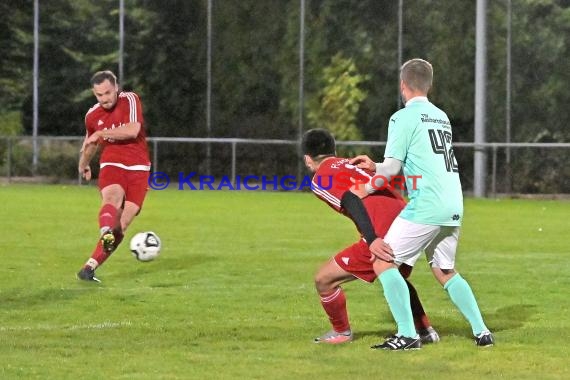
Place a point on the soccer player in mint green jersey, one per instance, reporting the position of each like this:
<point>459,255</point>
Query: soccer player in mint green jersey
<point>420,143</point>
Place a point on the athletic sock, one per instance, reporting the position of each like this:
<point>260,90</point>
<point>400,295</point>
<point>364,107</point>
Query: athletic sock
<point>91,264</point>
<point>421,320</point>
<point>334,304</point>
<point>462,296</point>
<point>398,298</point>
<point>98,257</point>
<point>107,216</point>
<point>107,219</point>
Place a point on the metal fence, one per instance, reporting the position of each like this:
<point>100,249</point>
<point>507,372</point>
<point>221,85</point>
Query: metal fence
<point>515,168</point>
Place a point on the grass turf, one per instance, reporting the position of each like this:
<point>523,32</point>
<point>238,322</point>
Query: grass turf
<point>231,296</point>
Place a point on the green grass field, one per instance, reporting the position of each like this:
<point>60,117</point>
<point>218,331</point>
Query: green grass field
<point>231,296</point>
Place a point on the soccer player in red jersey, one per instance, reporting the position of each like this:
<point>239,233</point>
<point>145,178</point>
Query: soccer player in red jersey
<point>340,185</point>
<point>115,125</point>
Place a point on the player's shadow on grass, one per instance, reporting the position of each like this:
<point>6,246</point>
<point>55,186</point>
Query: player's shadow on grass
<point>180,267</point>
<point>509,317</point>
<point>25,299</point>
<point>379,335</point>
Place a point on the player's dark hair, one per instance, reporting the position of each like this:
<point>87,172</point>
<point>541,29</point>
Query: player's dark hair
<point>318,142</point>
<point>101,76</point>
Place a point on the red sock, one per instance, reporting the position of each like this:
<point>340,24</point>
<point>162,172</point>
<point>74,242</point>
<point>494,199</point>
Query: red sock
<point>334,304</point>
<point>421,320</point>
<point>98,257</point>
<point>107,216</point>
<point>107,219</point>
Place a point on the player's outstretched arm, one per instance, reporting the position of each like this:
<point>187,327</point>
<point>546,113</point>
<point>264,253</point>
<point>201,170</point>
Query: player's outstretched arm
<point>384,173</point>
<point>363,162</point>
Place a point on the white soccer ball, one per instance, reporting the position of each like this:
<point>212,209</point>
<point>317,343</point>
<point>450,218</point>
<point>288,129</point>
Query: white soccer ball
<point>145,246</point>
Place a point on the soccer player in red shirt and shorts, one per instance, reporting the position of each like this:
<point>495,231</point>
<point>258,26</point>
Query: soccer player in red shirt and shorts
<point>115,125</point>
<point>373,214</point>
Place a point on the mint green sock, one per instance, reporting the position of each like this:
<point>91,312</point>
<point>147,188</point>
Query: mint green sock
<point>398,297</point>
<point>462,296</point>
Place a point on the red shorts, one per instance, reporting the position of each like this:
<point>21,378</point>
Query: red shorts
<point>356,261</point>
<point>133,182</point>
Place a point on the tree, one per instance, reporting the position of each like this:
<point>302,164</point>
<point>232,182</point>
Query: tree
<point>337,105</point>
<point>16,43</point>
<point>76,38</point>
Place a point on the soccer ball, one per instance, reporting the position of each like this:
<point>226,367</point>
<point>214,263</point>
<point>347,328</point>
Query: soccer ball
<point>145,246</point>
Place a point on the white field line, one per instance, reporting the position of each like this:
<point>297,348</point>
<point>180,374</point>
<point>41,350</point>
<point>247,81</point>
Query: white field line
<point>48,327</point>
<point>224,287</point>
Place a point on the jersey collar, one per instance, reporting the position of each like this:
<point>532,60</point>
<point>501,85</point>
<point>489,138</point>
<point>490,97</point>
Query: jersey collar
<point>417,99</point>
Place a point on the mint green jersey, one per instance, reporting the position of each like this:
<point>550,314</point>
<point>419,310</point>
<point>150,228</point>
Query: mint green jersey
<point>419,135</point>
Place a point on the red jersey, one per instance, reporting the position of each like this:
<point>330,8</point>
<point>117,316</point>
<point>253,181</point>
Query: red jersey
<point>332,180</point>
<point>127,154</point>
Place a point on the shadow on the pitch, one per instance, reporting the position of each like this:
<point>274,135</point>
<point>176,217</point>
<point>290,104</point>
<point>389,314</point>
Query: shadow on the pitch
<point>509,317</point>
<point>166,263</point>
<point>173,271</point>
<point>380,336</point>
<point>26,298</point>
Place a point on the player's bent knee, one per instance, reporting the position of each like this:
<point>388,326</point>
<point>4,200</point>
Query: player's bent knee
<point>443,275</point>
<point>321,284</point>
<point>324,283</point>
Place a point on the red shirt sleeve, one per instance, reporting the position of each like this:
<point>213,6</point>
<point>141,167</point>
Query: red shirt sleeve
<point>133,107</point>
<point>334,178</point>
